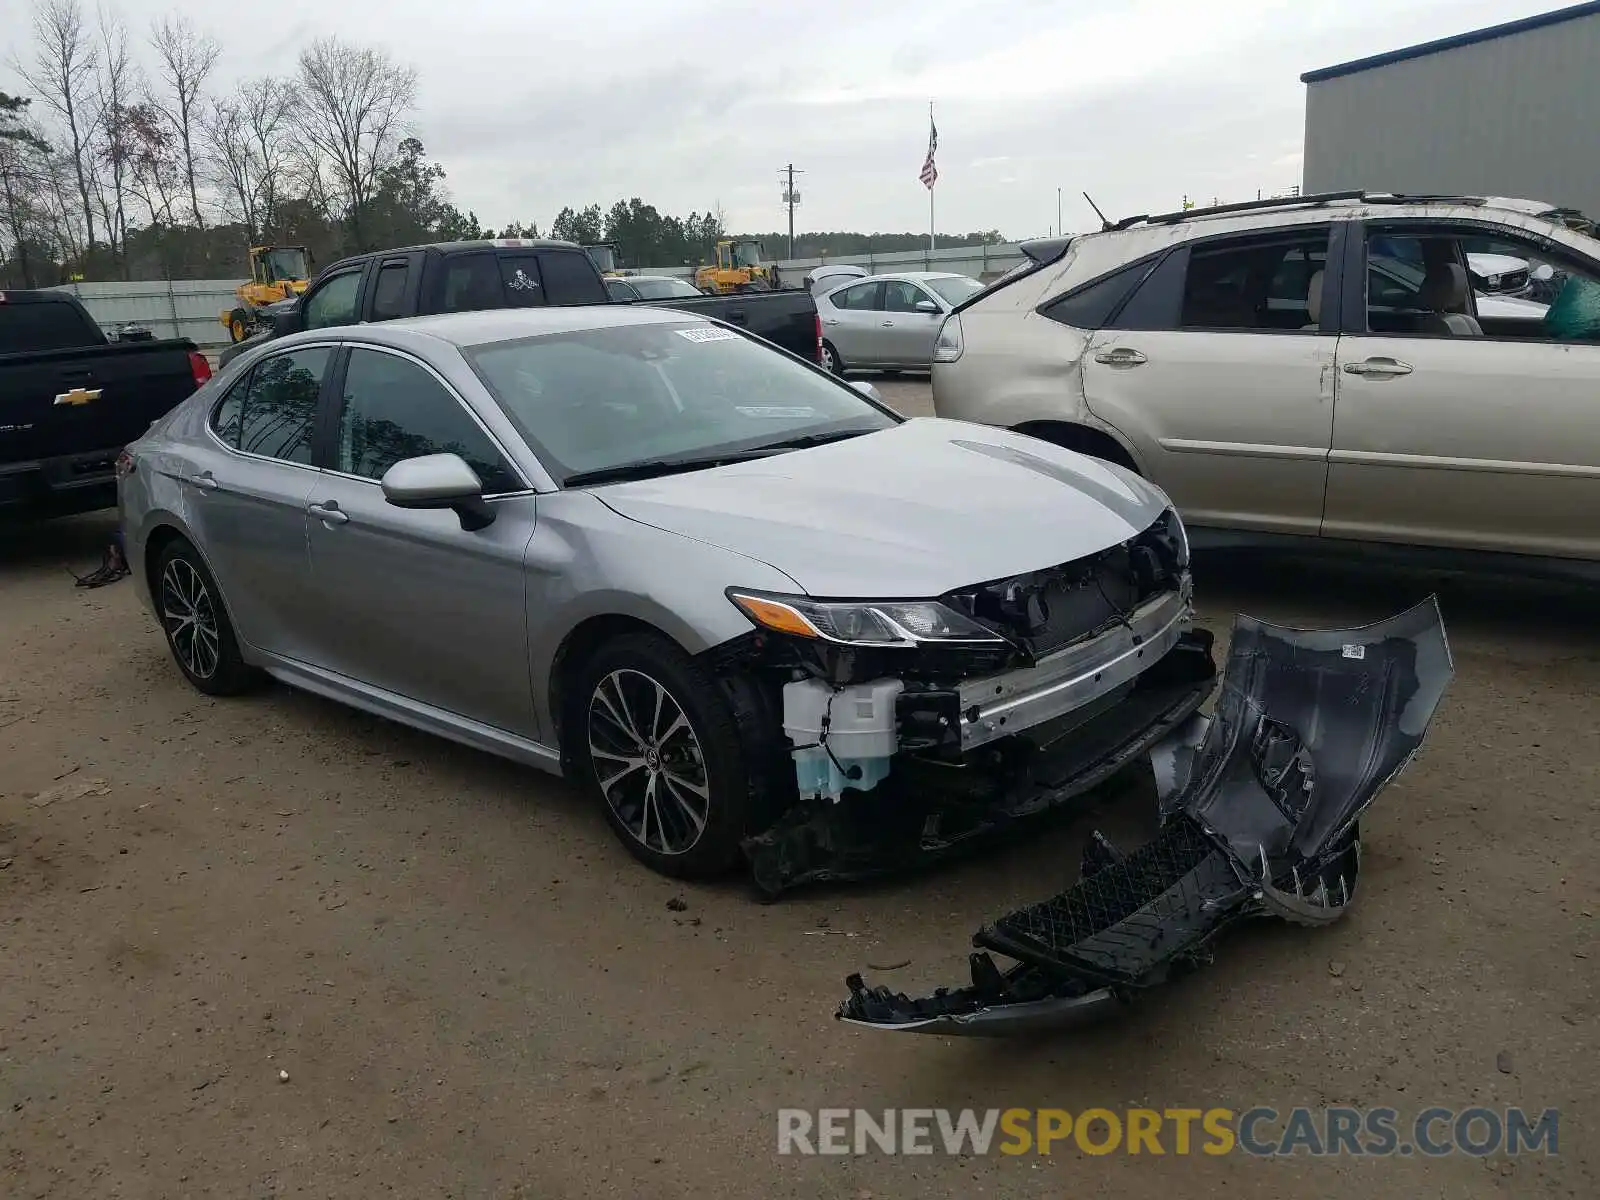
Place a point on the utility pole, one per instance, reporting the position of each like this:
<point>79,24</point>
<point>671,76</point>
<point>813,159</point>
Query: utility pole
<point>1059,225</point>
<point>791,197</point>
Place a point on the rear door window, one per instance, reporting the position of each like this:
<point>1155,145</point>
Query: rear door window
<point>864,296</point>
<point>1256,283</point>
<point>278,408</point>
<point>570,278</point>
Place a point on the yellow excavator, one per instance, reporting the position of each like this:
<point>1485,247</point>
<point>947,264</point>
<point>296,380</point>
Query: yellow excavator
<point>276,273</point>
<point>738,269</point>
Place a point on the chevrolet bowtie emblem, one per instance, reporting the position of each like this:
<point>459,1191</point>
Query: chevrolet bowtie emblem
<point>78,396</point>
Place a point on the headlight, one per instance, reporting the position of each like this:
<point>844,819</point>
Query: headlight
<point>1175,523</point>
<point>860,622</point>
<point>1494,281</point>
<point>948,346</point>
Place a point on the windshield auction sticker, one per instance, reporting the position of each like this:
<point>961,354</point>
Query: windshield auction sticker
<point>700,333</point>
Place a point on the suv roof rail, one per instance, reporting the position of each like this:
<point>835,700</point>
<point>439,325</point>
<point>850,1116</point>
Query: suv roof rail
<point>1310,199</point>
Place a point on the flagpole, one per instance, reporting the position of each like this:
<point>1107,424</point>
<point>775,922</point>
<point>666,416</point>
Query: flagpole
<point>930,198</point>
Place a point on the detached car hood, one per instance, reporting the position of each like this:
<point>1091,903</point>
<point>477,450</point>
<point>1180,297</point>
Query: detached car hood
<point>913,511</point>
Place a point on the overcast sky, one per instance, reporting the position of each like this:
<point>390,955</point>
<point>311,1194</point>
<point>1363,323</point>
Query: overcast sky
<point>689,104</point>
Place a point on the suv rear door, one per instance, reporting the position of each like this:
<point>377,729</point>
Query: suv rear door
<point>1484,438</point>
<point>1219,368</point>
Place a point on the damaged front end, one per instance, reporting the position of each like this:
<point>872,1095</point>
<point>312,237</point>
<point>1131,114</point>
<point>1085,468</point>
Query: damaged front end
<point>919,728</point>
<point>1259,807</point>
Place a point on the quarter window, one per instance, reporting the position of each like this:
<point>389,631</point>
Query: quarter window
<point>1091,306</point>
<point>334,303</point>
<point>394,409</point>
<point>278,407</point>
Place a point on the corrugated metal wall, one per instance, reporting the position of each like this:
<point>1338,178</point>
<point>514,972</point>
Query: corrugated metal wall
<point>186,308</point>
<point>1515,116</point>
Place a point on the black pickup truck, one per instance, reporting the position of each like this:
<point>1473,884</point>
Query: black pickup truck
<point>70,400</point>
<point>510,273</point>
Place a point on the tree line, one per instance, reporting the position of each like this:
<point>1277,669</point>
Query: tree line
<point>121,159</point>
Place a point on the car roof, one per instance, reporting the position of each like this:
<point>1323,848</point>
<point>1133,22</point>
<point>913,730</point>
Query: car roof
<point>498,325</point>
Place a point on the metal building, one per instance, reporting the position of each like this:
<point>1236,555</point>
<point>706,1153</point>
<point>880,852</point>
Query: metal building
<point>1505,111</point>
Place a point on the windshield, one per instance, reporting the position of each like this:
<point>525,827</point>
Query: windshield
<point>955,288</point>
<point>663,289</point>
<point>747,254</point>
<point>600,398</point>
<point>288,263</point>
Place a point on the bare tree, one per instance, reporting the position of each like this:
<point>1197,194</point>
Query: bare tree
<point>232,159</point>
<point>268,108</point>
<point>115,83</point>
<point>185,59</point>
<point>62,73</point>
<point>156,174</point>
<point>352,108</point>
<point>23,161</point>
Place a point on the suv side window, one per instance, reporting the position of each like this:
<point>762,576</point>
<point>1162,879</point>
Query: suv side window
<point>861,297</point>
<point>471,282</point>
<point>1256,283</point>
<point>335,300</point>
<point>569,278</point>
<point>278,405</point>
<point>393,409</point>
<point>389,293</point>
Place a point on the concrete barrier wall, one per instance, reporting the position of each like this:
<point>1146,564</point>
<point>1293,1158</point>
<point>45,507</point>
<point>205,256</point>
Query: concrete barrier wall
<point>183,308</point>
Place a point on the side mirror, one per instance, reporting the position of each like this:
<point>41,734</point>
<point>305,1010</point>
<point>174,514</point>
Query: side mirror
<point>866,389</point>
<point>438,481</point>
<point>927,306</point>
<point>1544,273</point>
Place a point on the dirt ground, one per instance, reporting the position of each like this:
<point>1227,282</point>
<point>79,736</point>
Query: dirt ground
<point>475,992</point>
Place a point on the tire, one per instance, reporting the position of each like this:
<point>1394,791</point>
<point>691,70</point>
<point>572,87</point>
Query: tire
<point>831,360</point>
<point>237,330</point>
<point>691,836</point>
<point>196,623</point>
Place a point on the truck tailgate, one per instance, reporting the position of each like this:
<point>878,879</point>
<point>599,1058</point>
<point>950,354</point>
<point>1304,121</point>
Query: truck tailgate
<point>56,403</point>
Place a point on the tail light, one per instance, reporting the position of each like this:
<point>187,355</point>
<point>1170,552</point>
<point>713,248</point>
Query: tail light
<point>125,464</point>
<point>199,367</point>
<point>817,351</point>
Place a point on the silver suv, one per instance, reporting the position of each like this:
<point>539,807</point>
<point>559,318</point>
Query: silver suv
<point>1318,367</point>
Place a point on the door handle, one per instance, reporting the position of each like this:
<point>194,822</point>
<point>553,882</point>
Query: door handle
<point>888,324</point>
<point>830,320</point>
<point>205,481</point>
<point>1120,356</point>
<point>328,513</point>
<point>1381,368</point>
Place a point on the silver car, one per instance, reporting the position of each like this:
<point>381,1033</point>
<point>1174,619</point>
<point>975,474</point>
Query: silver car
<point>889,322</point>
<point>734,597</point>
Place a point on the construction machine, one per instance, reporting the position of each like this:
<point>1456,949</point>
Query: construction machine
<point>276,273</point>
<point>738,269</point>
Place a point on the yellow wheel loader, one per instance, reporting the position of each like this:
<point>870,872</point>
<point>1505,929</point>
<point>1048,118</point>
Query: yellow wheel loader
<point>738,269</point>
<point>276,273</point>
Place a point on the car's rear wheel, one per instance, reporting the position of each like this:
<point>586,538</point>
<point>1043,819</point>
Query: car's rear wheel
<point>196,623</point>
<point>655,740</point>
<point>831,360</point>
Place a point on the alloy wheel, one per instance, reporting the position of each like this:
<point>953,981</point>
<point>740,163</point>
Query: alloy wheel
<point>190,617</point>
<point>648,762</point>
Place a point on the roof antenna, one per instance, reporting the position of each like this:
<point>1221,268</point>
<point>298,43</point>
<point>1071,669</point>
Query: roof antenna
<point>1105,225</point>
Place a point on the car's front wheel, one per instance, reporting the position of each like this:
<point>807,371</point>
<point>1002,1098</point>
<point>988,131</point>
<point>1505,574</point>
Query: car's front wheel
<point>196,623</point>
<point>655,739</point>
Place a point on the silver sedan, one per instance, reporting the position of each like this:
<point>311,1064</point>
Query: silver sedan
<point>704,578</point>
<point>889,322</point>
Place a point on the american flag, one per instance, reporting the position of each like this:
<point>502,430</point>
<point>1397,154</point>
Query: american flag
<point>930,173</point>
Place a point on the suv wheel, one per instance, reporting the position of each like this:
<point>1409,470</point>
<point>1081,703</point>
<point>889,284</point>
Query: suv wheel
<point>655,740</point>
